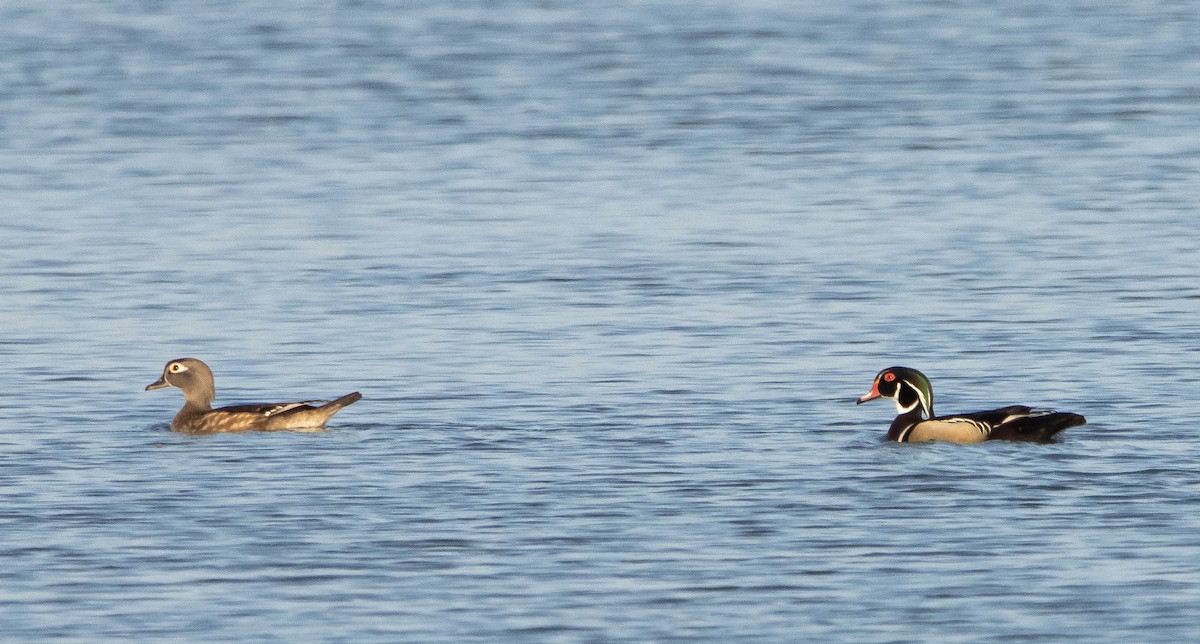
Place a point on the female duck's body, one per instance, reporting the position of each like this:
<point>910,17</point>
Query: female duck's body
<point>198,416</point>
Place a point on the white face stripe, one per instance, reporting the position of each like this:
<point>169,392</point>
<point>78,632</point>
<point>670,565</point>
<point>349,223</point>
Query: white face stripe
<point>921,400</point>
<point>901,409</point>
<point>926,403</point>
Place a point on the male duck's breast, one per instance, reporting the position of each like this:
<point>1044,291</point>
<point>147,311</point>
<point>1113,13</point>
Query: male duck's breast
<point>951,431</point>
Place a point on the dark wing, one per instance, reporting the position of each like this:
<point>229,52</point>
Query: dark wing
<point>1020,423</point>
<point>997,417</point>
<point>273,409</point>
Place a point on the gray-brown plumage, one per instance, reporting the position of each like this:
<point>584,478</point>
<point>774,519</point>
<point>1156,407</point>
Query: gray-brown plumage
<point>198,417</point>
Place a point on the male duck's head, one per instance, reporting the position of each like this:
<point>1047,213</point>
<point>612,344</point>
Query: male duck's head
<point>909,388</point>
<point>192,376</point>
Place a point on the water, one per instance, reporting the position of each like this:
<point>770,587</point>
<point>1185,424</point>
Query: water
<point>609,279</point>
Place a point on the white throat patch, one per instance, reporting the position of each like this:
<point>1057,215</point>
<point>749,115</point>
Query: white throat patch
<point>920,401</point>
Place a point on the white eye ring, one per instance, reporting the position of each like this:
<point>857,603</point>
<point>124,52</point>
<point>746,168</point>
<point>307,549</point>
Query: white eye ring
<point>176,367</point>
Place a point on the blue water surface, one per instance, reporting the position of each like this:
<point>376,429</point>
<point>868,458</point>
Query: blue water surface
<point>610,277</point>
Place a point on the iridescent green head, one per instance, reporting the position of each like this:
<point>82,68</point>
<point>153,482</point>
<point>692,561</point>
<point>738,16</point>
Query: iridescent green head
<point>909,388</point>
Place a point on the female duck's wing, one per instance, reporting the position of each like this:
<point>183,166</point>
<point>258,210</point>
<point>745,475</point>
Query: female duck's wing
<point>273,409</point>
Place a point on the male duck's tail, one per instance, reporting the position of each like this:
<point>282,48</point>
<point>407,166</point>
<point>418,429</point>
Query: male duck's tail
<point>1038,428</point>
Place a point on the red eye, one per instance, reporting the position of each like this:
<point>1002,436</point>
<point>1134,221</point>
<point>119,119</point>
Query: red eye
<point>889,376</point>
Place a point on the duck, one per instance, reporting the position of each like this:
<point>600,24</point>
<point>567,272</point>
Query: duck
<point>916,423</point>
<point>198,416</point>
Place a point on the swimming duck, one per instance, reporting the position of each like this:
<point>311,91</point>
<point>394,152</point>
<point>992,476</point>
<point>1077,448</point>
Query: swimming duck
<point>198,417</point>
<point>915,422</point>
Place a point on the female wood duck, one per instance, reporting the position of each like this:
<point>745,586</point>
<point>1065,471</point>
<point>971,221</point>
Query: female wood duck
<point>198,417</point>
<point>915,422</point>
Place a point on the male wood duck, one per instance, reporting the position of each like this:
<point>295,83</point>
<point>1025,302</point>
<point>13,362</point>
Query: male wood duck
<point>198,417</point>
<point>915,422</point>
